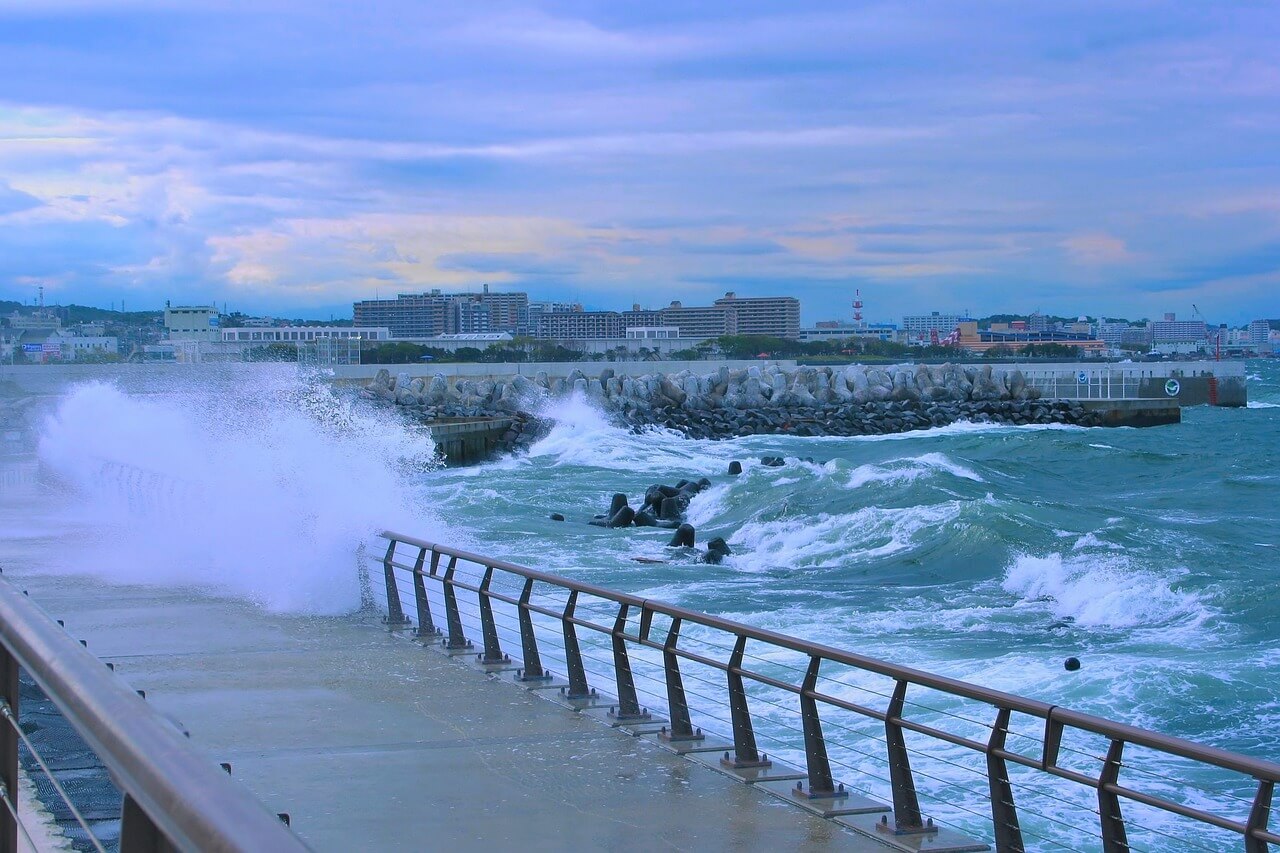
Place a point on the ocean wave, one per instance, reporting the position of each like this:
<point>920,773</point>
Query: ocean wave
<point>1258,404</point>
<point>1105,591</point>
<point>831,540</point>
<point>909,469</point>
<point>270,494</point>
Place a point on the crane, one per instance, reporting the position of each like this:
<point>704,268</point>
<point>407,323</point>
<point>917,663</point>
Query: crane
<point>1217,334</point>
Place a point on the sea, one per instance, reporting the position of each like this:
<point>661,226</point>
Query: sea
<point>985,553</point>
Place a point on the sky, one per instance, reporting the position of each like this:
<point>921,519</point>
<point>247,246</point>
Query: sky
<point>280,156</point>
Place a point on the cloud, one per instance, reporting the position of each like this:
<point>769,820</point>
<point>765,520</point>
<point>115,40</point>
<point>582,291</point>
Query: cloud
<point>15,201</point>
<point>937,156</point>
<point>1097,249</point>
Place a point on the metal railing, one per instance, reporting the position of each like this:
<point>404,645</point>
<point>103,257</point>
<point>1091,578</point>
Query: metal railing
<point>174,798</point>
<point>1087,383</point>
<point>764,674</point>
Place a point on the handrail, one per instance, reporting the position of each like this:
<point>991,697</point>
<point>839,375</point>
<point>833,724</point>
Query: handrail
<point>1255,832</point>
<point>171,791</point>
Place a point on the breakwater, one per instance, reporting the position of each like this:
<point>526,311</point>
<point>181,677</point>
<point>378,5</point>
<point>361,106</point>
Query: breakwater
<point>755,400</point>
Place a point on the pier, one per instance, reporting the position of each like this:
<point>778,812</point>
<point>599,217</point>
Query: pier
<point>426,722</point>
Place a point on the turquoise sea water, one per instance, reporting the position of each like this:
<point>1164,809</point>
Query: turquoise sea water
<point>985,553</point>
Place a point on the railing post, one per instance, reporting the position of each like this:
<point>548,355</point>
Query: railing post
<point>426,625</point>
<point>1004,815</point>
<point>1114,837</point>
<point>10,689</point>
<point>492,650</point>
<point>678,704</point>
<point>572,654</point>
<point>532,669</point>
<point>138,833</point>
<point>395,613</point>
<point>906,805</point>
<point>745,753</point>
<point>456,639</point>
<point>628,709</point>
<point>821,784</point>
<point>1259,817</point>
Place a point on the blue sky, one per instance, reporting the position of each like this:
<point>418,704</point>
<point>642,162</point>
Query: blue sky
<point>289,157</point>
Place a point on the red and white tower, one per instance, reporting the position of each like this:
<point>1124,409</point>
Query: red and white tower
<point>857,309</point>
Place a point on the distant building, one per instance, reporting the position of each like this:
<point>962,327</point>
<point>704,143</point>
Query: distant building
<point>76,347</point>
<point>1171,330</point>
<point>921,327</point>
<point>973,340</point>
<point>192,323</point>
<point>422,315</point>
<point>706,322</point>
<point>301,334</point>
<point>38,319</point>
<point>776,316</point>
<point>571,325</point>
<point>837,331</point>
<point>1259,333</point>
<point>649,333</point>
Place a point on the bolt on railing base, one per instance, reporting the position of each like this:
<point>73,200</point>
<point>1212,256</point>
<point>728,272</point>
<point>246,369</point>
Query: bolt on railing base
<point>580,701</point>
<point>457,647</point>
<point>525,678</point>
<point>810,794</point>
<point>499,664</point>
<point>671,737</point>
<point>889,826</point>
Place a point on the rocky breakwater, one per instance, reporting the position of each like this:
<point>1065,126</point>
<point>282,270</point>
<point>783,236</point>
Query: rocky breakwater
<point>758,400</point>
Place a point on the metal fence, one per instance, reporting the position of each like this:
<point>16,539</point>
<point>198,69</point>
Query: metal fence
<point>1086,383</point>
<point>174,798</point>
<point>715,690</point>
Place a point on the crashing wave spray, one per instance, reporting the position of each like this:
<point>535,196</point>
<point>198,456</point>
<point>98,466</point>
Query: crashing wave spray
<point>267,493</point>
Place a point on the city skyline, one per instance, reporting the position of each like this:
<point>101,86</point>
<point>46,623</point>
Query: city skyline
<point>991,159</point>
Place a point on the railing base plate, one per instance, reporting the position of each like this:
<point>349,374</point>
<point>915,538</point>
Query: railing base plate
<point>940,841</point>
<point>495,666</point>
<point>849,804</point>
<point>578,703</point>
<point>685,747</point>
<point>774,771</point>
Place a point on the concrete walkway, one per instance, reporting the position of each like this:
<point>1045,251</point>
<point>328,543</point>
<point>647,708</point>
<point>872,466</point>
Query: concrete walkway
<point>371,742</point>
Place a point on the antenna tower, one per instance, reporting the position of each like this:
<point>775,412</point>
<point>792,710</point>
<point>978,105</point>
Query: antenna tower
<point>857,308</point>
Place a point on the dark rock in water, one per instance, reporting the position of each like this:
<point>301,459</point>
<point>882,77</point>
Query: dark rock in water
<point>772,461</point>
<point>644,518</point>
<point>623,517</point>
<point>717,550</point>
<point>598,522</point>
<point>668,491</point>
<point>619,501</point>
<point>653,497</point>
<point>735,468</point>
<point>683,538</point>
<point>555,516</point>
<point>704,483</point>
<point>1071,664</point>
<point>673,508</point>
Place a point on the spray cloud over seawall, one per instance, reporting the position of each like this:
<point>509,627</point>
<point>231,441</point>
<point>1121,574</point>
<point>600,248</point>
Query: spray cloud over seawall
<point>268,492</point>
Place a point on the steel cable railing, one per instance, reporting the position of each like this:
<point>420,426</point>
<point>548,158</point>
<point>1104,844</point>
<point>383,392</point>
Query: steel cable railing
<point>633,628</point>
<point>173,798</point>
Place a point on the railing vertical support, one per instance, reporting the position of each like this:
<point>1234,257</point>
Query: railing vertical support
<point>1004,815</point>
<point>532,670</point>
<point>628,709</point>
<point>138,833</point>
<point>906,805</point>
<point>1114,837</point>
<point>426,625</point>
<point>488,628</point>
<point>9,688</point>
<point>1259,817</point>
<point>395,613</point>
<point>821,784</point>
<point>677,703</point>
<point>572,653</point>
<point>456,639</point>
<point>745,753</point>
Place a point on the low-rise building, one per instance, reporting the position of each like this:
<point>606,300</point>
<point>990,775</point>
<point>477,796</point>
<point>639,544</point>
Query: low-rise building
<point>192,323</point>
